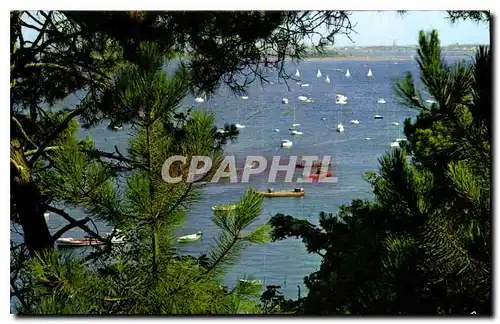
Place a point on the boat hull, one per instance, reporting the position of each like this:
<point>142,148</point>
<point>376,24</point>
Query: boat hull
<point>318,176</point>
<point>282,194</point>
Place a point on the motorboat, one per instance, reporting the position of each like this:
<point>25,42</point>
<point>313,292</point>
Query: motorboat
<point>190,237</point>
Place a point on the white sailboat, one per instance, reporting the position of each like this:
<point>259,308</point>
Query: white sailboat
<point>340,127</point>
<point>304,85</point>
<point>302,98</point>
<point>381,101</point>
<point>293,129</point>
<point>318,75</point>
<point>348,74</point>
<point>377,116</point>
<point>327,80</point>
<point>244,97</point>
<point>354,121</point>
<point>297,73</point>
<point>238,125</point>
<point>369,74</point>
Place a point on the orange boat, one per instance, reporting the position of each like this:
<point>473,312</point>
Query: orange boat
<point>321,175</point>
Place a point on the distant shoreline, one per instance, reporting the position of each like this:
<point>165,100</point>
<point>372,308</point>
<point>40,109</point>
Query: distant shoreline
<point>361,58</point>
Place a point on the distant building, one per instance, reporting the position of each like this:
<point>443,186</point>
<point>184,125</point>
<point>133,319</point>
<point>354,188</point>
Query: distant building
<point>395,43</point>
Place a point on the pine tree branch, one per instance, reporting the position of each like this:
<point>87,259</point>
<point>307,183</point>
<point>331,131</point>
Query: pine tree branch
<point>52,136</point>
<point>71,220</point>
<point>66,228</point>
<point>219,259</point>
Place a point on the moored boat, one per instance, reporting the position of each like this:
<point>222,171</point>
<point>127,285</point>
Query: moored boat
<point>297,192</point>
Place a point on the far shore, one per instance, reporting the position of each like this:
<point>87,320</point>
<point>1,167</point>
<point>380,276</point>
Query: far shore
<point>361,58</point>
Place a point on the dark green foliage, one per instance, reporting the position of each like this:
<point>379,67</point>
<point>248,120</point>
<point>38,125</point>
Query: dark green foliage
<point>423,246</point>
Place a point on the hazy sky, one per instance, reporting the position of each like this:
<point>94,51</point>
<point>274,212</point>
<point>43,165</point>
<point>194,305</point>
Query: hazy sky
<point>382,28</point>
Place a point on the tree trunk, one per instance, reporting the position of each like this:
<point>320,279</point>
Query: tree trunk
<point>26,200</point>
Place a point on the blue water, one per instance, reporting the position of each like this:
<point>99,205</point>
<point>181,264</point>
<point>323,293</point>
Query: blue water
<point>286,262</point>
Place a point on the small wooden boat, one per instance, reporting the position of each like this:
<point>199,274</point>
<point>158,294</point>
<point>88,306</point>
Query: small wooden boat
<point>190,238</point>
<point>77,242</point>
<point>223,207</point>
<point>254,282</point>
<point>298,192</point>
<point>321,175</point>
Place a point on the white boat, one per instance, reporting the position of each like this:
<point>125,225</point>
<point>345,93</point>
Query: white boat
<point>199,99</point>
<point>220,131</point>
<point>293,130</point>
<point>276,130</point>
<point>348,74</point>
<point>367,138</point>
<point>239,126</point>
<point>78,242</point>
<point>117,127</point>
<point>381,101</point>
<point>354,121</point>
<point>190,237</point>
<point>286,143</point>
<point>318,75</point>
<point>254,282</point>
<point>323,118</point>
<point>378,117</point>
<point>340,97</point>
<point>284,101</point>
<point>244,97</point>
<point>308,100</point>
<point>401,139</point>
<point>395,124</point>
<point>302,98</point>
<point>340,127</point>
<point>431,101</point>
<point>297,73</point>
<point>304,85</point>
<point>369,74</point>
<point>327,80</point>
<point>395,144</point>
<point>340,102</point>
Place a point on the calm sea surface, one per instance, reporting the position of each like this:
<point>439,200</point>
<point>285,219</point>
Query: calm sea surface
<point>286,263</point>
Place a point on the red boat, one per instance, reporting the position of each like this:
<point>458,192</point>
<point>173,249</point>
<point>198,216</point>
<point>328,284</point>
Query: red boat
<point>321,175</point>
<point>314,165</point>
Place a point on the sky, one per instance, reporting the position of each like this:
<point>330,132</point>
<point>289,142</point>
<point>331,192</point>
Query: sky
<point>383,27</point>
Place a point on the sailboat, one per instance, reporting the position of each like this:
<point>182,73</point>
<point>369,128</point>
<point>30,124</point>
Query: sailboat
<point>293,130</point>
<point>340,127</point>
<point>318,75</point>
<point>395,143</point>
<point>238,125</point>
<point>297,73</point>
<point>327,80</point>
<point>377,116</point>
<point>348,74</point>
<point>369,74</point>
